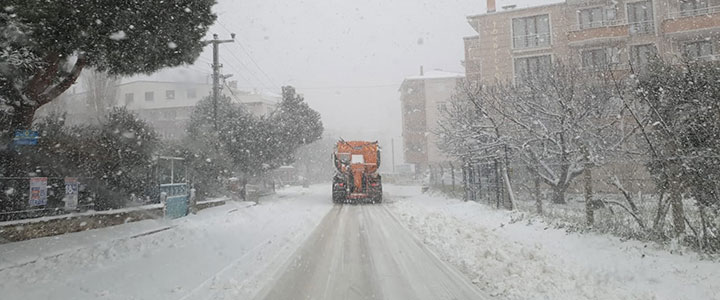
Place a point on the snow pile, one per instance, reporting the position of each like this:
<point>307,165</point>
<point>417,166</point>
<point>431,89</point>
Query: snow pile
<point>519,260</point>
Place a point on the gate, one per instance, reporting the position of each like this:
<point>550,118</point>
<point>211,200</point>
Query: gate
<point>175,196</point>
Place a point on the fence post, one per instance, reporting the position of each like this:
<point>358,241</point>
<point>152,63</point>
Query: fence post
<point>498,192</point>
<point>452,175</point>
<point>465,177</point>
<point>192,202</point>
<point>163,201</point>
<point>471,180</point>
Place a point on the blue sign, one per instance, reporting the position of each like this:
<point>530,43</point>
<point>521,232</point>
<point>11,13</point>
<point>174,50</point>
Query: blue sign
<point>26,137</point>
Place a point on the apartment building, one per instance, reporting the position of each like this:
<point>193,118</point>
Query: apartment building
<point>512,42</point>
<point>165,105</point>
<point>421,99</point>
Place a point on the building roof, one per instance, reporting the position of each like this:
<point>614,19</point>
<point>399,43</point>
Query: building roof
<point>519,6</point>
<point>436,74</point>
<point>432,75</point>
<point>161,82</point>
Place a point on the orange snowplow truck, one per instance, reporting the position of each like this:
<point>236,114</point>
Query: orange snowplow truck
<point>357,177</point>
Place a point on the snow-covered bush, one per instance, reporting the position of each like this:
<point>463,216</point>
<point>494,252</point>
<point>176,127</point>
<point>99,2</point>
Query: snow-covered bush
<point>114,159</point>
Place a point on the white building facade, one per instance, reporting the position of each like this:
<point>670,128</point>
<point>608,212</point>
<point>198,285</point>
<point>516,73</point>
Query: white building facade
<point>167,106</point>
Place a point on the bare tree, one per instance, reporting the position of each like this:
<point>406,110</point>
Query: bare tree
<point>101,92</point>
<point>563,122</point>
<point>469,130</point>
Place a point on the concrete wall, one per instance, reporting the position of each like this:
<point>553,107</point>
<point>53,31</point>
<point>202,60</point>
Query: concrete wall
<point>438,92</point>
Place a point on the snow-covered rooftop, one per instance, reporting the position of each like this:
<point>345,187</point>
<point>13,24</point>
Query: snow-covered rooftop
<point>519,5</point>
<point>436,74</point>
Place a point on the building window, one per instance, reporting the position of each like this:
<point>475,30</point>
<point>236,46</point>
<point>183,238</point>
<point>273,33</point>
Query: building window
<point>698,50</point>
<point>129,99</point>
<point>149,96</point>
<point>591,17</point>
<point>640,55</point>
<point>169,115</point>
<point>600,58</point>
<point>170,94</point>
<point>693,7</point>
<point>442,106</point>
<point>191,93</point>
<point>640,17</point>
<point>531,66</point>
<point>596,17</point>
<point>531,32</point>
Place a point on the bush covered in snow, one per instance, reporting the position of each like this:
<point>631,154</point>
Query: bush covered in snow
<point>114,159</point>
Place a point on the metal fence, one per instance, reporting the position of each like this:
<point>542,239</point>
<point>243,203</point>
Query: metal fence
<point>16,193</point>
<point>483,181</point>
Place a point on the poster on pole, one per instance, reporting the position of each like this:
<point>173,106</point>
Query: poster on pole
<point>38,191</point>
<point>71,192</point>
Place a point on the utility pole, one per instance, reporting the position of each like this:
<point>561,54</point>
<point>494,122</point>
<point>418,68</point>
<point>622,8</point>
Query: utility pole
<point>216,71</point>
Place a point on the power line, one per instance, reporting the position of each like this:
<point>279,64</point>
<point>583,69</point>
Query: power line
<point>248,69</point>
<point>270,80</point>
<point>240,74</point>
<point>232,93</point>
<point>255,63</point>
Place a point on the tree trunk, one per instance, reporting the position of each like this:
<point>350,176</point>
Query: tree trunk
<point>678,211</point>
<point>22,118</point>
<point>589,208</point>
<point>559,194</point>
<point>659,221</point>
<point>538,200</point>
<point>703,222</point>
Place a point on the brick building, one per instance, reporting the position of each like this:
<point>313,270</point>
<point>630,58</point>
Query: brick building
<point>593,33</point>
<point>421,97</point>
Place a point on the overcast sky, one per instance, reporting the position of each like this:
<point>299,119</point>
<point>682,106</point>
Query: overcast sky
<point>347,57</point>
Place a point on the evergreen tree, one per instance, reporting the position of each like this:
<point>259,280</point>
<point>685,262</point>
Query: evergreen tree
<point>46,44</point>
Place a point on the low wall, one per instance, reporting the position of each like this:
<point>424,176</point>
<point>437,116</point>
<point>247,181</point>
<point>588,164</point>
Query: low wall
<point>13,231</point>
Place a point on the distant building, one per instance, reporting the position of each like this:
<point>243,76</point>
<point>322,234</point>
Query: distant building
<point>421,98</point>
<point>165,105</point>
<point>513,42</point>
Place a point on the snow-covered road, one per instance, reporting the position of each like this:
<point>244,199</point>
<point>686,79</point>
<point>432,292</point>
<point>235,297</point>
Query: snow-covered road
<point>298,245</point>
<point>362,252</point>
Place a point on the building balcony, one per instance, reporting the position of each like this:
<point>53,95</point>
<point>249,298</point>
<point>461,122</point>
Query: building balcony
<point>593,31</point>
<point>605,30</point>
<point>678,22</point>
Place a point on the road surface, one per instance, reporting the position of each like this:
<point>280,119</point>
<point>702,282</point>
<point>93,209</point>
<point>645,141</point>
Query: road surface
<point>362,252</point>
